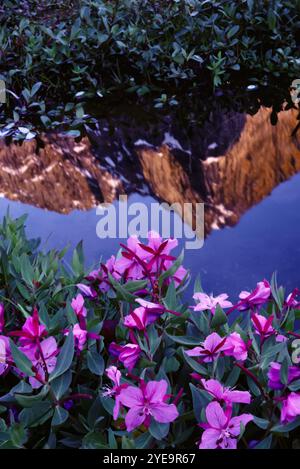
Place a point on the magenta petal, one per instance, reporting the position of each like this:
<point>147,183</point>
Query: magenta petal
<point>213,387</point>
<point>49,347</point>
<point>116,408</point>
<point>209,439</point>
<point>243,397</point>
<point>194,352</point>
<point>215,415</point>
<point>212,341</point>
<point>156,390</point>
<point>134,418</point>
<point>164,413</point>
<point>131,397</point>
<point>228,443</point>
<point>235,423</point>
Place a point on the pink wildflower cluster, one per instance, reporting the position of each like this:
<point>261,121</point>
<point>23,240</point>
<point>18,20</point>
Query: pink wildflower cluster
<point>41,351</point>
<point>137,261</point>
<point>150,364</point>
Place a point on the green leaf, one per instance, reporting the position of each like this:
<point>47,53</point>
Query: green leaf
<point>144,441</point>
<point>265,443</point>
<point>65,358</point>
<point>286,428</point>
<point>112,442</point>
<point>261,423</point>
<point>201,321</point>
<point>135,285</point>
<point>197,285</point>
<point>184,340</point>
<point>233,377</point>
<point>219,318</point>
<point>295,385</point>
<point>170,301</point>
<point>18,435</point>
<point>196,366</point>
<point>29,400</point>
<point>284,369</point>
<point>78,260</point>
<point>36,415</point>
<point>200,400</point>
<point>159,430</point>
<point>94,440</point>
<point>122,293</point>
<point>127,443</point>
<point>26,269</point>
<point>108,404</point>
<point>21,361</point>
<point>35,88</point>
<point>2,409</point>
<point>60,416</point>
<point>171,271</point>
<point>171,364</point>
<point>95,362</point>
<point>61,384</point>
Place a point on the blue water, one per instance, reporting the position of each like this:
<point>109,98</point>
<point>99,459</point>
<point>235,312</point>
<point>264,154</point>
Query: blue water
<point>266,239</point>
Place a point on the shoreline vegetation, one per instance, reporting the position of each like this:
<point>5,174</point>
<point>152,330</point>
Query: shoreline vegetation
<point>59,57</point>
<point>113,358</point>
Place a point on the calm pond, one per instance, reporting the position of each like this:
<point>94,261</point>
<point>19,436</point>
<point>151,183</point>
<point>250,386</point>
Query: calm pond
<point>243,168</point>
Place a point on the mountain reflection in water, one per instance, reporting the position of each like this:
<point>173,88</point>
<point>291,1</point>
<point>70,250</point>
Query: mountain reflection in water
<point>230,166</point>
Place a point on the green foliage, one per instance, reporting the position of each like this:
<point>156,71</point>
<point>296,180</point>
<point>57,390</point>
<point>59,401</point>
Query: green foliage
<point>73,405</point>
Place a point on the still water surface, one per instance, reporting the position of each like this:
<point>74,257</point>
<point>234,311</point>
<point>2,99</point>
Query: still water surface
<point>250,186</point>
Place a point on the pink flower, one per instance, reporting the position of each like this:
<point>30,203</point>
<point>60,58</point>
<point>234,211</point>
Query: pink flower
<point>210,302</point>
<point>159,259</point>
<point>290,408</point>
<point>45,355</point>
<point>262,325</point>
<point>257,297</point>
<point>78,306</point>
<point>210,349</point>
<point>32,331</point>
<point>2,321</point>
<point>146,314</point>
<point>292,301</point>
<point>127,354</point>
<point>158,252</point>
<point>86,290</point>
<point>4,354</point>
<point>80,337</point>
<point>115,376</point>
<point>223,394</point>
<point>179,275</point>
<point>108,267</point>
<point>101,275</point>
<point>280,338</point>
<point>274,375</point>
<point>237,347</point>
<point>147,402</point>
<point>93,275</point>
<point>222,431</point>
<point>130,265</point>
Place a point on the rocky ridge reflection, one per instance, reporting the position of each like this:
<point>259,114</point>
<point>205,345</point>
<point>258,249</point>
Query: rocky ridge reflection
<point>231,164</point>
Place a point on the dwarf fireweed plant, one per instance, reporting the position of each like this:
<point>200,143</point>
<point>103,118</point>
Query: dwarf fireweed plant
<point>115,358</point>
